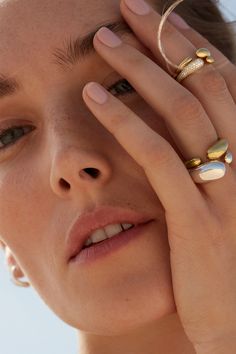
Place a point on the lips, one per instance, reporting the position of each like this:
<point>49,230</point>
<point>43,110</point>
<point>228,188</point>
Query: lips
<point>99,218</point>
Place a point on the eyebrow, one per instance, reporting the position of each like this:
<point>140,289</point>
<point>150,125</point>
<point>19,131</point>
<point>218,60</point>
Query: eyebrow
<point>74,51</point>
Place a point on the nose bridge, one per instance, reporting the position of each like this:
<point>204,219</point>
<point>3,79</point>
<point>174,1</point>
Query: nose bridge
<point>68,130</point>
<point>69,117</point>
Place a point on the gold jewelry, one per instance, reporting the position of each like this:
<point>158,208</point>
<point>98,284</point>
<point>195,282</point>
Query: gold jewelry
<point>188,66</point>
<point>183,64</point>
<point>212,169</point>
<point>195,162</point>
<point>218,149</point>
<point>15,279</point>
<point>190,69</point>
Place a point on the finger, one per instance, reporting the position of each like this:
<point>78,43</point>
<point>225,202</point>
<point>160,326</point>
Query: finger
<point>165,171</point>
<point>206,84</point>
<point>191,129</point>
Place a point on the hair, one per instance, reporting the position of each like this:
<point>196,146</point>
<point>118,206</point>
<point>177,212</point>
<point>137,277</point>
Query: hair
<point>206,18</point>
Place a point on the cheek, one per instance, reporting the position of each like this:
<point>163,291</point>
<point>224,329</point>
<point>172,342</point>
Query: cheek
<point>20,196</point>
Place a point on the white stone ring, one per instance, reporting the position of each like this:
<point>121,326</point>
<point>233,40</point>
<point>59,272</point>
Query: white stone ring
<point>214,168</point>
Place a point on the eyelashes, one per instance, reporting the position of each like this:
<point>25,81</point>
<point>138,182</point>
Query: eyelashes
<point>121,88</point>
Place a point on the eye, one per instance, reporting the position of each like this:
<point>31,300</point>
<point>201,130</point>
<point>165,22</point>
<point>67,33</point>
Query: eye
<point>121,88</point>
<point>10,135</point>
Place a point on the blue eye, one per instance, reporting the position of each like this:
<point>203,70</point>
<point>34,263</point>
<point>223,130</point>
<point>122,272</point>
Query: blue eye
<point>121,88</point>
<point>7,136</point>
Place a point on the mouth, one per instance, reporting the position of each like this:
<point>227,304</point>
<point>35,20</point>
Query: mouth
<point>99,226</point>
<point>101,235</point>
<point>107,246</point>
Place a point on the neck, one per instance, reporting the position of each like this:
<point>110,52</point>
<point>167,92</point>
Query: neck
<point>163,336</point>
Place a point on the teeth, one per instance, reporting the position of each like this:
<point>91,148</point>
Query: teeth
<point>112,230</point>
<point>108,232</point>
<point>98,235</point>
<point>127,226</point>
<point>88,242</point>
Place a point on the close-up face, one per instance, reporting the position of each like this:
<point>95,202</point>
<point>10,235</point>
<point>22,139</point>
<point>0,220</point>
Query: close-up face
<point>44,184</point>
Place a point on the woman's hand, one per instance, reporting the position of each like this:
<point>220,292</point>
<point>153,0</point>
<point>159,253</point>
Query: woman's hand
<point>200,218</point>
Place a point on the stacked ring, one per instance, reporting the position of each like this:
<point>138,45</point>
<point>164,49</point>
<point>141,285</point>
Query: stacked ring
<point>189,65</point>
<point>213,169</point>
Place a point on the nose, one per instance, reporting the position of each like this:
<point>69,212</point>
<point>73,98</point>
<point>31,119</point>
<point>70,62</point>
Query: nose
<point>79,170</point>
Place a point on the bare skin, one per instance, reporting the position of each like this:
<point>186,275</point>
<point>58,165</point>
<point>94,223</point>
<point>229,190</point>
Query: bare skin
<point>123,303</point>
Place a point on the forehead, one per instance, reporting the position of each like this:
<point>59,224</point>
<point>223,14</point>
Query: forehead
<point>19,18</point>
<point>30,29</point>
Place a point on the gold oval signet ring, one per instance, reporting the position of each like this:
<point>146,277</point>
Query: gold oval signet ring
<point>203,53</point>
<point>195,162</point>
<point>218,149</point>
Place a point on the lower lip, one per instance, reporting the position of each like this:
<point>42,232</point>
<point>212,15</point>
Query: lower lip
<point>110,245</point>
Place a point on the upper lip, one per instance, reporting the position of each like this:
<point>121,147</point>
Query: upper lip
<point>102,216</point>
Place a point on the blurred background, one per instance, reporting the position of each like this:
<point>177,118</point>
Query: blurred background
<point>27,326</point>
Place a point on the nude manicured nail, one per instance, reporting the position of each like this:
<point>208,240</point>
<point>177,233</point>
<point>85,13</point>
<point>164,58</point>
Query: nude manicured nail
<point>139,7</point>
<point>108,38</point>
<point>96,93</point>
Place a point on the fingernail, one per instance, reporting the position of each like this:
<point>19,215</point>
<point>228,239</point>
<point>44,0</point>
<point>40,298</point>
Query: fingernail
<point>96,93</point>
<point>178,21</point>
<point>139,7</point>
<point>108,38</point>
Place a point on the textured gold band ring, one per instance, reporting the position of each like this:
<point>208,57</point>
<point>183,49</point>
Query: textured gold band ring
<point>188,66</point>
<point>190,69</point>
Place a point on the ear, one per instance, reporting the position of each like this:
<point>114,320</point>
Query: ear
<point>10,260</point>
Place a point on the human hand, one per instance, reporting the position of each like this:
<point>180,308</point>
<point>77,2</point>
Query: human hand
<point>200,219</point>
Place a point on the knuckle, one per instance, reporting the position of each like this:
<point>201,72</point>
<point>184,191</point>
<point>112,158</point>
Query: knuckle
<point>136,59</point>
<point>188,110</point>
<point>118,120</point>
<point>159,153</point>
<point>213,82</point>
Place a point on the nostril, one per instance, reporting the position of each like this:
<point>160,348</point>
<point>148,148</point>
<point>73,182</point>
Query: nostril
<point>93,172</point>
<point>64,184</point>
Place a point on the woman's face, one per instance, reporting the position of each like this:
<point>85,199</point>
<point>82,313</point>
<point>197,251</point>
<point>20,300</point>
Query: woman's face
<point>42,187</point>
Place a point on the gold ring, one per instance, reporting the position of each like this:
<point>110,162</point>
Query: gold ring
<point>188,66</point>
<point>202,172</point>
